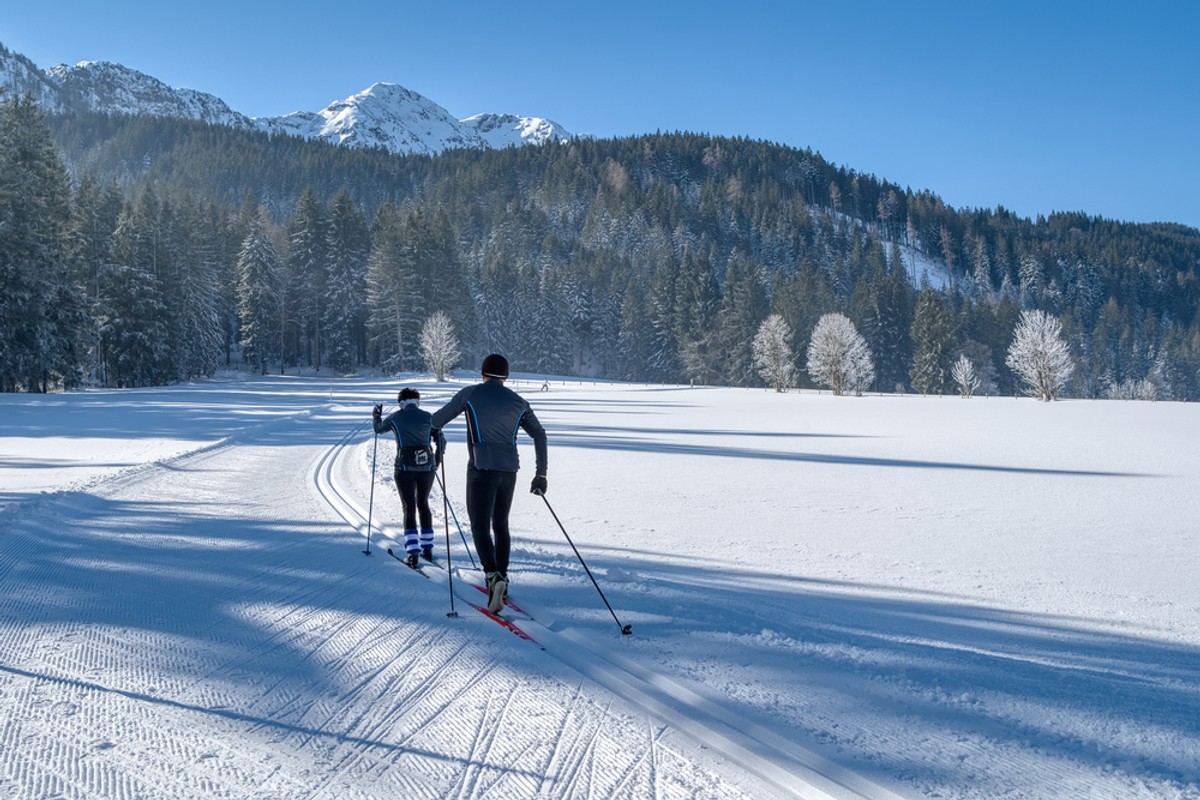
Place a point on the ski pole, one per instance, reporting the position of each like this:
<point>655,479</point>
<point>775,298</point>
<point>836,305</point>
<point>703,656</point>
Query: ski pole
<point>371,502</point>
<point>463,536</point>
<point>446,519</point>
<point>625,629</point>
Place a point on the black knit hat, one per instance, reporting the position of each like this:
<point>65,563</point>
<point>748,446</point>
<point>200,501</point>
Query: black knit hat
<point>495,366</point>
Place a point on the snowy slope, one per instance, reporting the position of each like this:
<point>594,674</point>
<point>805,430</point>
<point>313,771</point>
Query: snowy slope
<point>842,597</point>
<point>510,130</point>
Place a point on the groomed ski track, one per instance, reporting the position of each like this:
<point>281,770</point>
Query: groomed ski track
<point>202,626</point>
<point>789,768</point>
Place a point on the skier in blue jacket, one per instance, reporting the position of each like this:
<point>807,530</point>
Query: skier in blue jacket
<point>495,414</point>
<point>416,466</point>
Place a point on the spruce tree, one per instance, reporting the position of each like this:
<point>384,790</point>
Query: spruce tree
<point>933,340</point>
<point>394,298</point>
<point>42,322</point>
<point>307,265</point>
<point>258,309</point>
<point>346,283</point>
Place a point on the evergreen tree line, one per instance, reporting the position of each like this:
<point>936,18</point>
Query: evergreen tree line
<point>650,258</point>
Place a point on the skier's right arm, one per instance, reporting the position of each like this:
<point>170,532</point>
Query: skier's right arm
<point>452,409</point>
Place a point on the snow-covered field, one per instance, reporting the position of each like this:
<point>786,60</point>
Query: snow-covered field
<point>876,597</point>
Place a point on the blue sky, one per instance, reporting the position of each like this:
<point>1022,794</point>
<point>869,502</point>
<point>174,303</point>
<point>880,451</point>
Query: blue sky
<point>1035,106</point>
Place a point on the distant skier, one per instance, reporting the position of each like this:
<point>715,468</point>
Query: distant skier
<point>416,465</point>
<point>494,415</point>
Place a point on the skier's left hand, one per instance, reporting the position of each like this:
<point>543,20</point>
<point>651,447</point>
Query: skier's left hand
<point>377,411</point>
<point>538,486</point>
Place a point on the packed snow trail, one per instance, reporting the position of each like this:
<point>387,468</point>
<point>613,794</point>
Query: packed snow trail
<point>792,769</point>
<point>203,628</point>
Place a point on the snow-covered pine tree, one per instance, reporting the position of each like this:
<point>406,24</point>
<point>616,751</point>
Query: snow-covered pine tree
<point>258,267</point>
<point>96,211</point>
<point>198,317</point>
<point>346,289</point>
<point>1039,356</point>
<point>393,294</point>
<point>307,264</point>
<point>743,308</point>
<point>133,327</point>
<point>42,326</point>
<point>552,334</point>
<point>696,314</point>
<point>933,340</point>
<point>773,356</point>
<point>662,364</point>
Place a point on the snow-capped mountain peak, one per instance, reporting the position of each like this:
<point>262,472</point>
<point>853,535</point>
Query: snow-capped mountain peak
<point>510,130</point>
<point>116,89</point>
<point>385,115</point>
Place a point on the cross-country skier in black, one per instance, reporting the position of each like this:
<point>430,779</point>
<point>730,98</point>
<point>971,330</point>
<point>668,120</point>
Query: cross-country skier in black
<point>416,466</point>
<point>495,414</point>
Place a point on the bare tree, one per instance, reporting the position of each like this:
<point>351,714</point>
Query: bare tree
<point>963,373</point>
<point>439,345</point>
<point>838,356</point>
<point>1039,356</point>
<point>773,355</point>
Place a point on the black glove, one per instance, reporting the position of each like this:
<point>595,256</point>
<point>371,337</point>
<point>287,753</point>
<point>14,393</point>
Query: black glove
<point>377,411</point>
<point>538,486</point>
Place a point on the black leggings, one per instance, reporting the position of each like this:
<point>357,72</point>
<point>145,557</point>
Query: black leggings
<point>414,496</point>
<point>489,498</point>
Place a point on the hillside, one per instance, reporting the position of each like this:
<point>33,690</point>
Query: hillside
<point>624,221</point>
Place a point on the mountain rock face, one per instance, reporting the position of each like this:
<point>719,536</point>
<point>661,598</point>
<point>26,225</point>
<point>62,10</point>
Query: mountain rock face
<point>20,76</point>
<point>114,89</point>
<point>386,115</point>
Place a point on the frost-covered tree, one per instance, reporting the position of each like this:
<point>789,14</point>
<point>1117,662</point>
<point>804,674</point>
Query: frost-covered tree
<point>439,345</point>
<point>964,376</point>
<point>1039,356</point>
<point>773,356</point>
<point>838,356</point>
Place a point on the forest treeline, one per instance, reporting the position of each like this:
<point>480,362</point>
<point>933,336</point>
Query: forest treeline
<point>160,250</point>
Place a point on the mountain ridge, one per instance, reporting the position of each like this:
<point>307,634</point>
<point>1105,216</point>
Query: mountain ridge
<point>384,115</point>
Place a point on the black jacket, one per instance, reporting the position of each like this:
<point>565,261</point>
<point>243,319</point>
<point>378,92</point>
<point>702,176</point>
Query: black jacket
<point>495,414</point>
<point>413,429</point>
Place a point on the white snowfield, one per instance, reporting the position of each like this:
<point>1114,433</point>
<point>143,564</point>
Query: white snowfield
<point>867,597</point>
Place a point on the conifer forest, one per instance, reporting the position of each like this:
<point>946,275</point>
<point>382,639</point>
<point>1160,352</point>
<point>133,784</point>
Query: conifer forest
<point>138,251</point>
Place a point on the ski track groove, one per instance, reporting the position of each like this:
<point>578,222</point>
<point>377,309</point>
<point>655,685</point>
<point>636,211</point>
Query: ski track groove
<point>128,737</point>
<point>325,479</point>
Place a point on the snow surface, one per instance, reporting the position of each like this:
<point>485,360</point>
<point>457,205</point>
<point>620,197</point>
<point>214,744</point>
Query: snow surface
<point>876,597</point>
